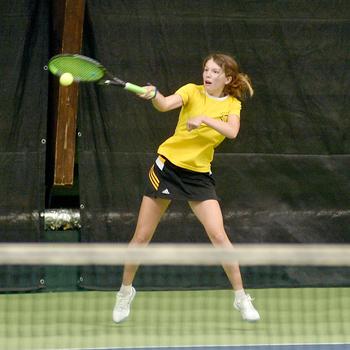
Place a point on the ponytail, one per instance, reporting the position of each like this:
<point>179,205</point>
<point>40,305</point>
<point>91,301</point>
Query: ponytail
<point>240,87</point>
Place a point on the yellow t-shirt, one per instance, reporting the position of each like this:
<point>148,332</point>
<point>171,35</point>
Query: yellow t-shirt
<point>194,150</point>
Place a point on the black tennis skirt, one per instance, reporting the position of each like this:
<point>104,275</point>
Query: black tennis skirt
<point>166,180</point>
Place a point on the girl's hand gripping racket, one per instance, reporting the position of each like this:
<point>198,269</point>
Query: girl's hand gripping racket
<point>88,70</point>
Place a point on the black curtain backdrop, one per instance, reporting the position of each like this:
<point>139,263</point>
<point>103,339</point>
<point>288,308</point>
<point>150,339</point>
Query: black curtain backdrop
<point>284,179</point>
<point>23,99</point>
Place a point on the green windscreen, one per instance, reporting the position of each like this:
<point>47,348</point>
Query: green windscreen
<point>82,68</point>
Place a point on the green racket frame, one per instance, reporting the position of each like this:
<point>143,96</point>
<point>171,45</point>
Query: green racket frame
<point>87,70</point>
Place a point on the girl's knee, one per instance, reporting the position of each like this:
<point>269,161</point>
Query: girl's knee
<point>141,238</point>
<point>219,238</point>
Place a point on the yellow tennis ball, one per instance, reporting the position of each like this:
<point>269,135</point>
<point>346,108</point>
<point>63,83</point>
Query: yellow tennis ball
<point>66,79</point>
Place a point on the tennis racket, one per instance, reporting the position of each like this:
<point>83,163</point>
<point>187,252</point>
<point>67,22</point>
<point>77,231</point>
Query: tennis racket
<point>87,70</point>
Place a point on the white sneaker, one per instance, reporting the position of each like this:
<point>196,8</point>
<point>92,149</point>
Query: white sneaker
<point>121,309</point>
<point>246,308</point>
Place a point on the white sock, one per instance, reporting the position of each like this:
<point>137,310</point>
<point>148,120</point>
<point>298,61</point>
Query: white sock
<point>125,290</point>
<point>239,294</point>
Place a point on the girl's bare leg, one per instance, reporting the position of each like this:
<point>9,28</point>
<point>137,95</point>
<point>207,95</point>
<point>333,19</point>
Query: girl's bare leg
<point>209,214</point>
<point>151,211</point>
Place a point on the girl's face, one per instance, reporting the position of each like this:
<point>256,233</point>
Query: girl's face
<point>214,79</point>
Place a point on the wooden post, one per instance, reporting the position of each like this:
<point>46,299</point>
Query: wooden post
<point>68,21</point>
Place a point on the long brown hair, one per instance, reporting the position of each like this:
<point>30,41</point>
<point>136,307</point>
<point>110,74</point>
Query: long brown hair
<point>240,85</point>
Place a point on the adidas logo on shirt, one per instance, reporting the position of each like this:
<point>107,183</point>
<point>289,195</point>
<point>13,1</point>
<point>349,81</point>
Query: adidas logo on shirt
<point>166,191</point>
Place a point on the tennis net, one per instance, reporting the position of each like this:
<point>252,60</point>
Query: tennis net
<point>183,298</point>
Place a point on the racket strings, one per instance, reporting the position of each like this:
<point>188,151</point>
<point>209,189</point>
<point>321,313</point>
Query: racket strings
<point>81,68</point>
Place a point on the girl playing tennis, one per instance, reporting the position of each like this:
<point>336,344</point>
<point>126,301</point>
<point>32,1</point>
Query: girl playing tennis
<point>209,113</point>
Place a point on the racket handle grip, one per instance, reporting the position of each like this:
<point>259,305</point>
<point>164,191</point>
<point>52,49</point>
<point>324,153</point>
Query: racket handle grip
<point>135,88</point>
